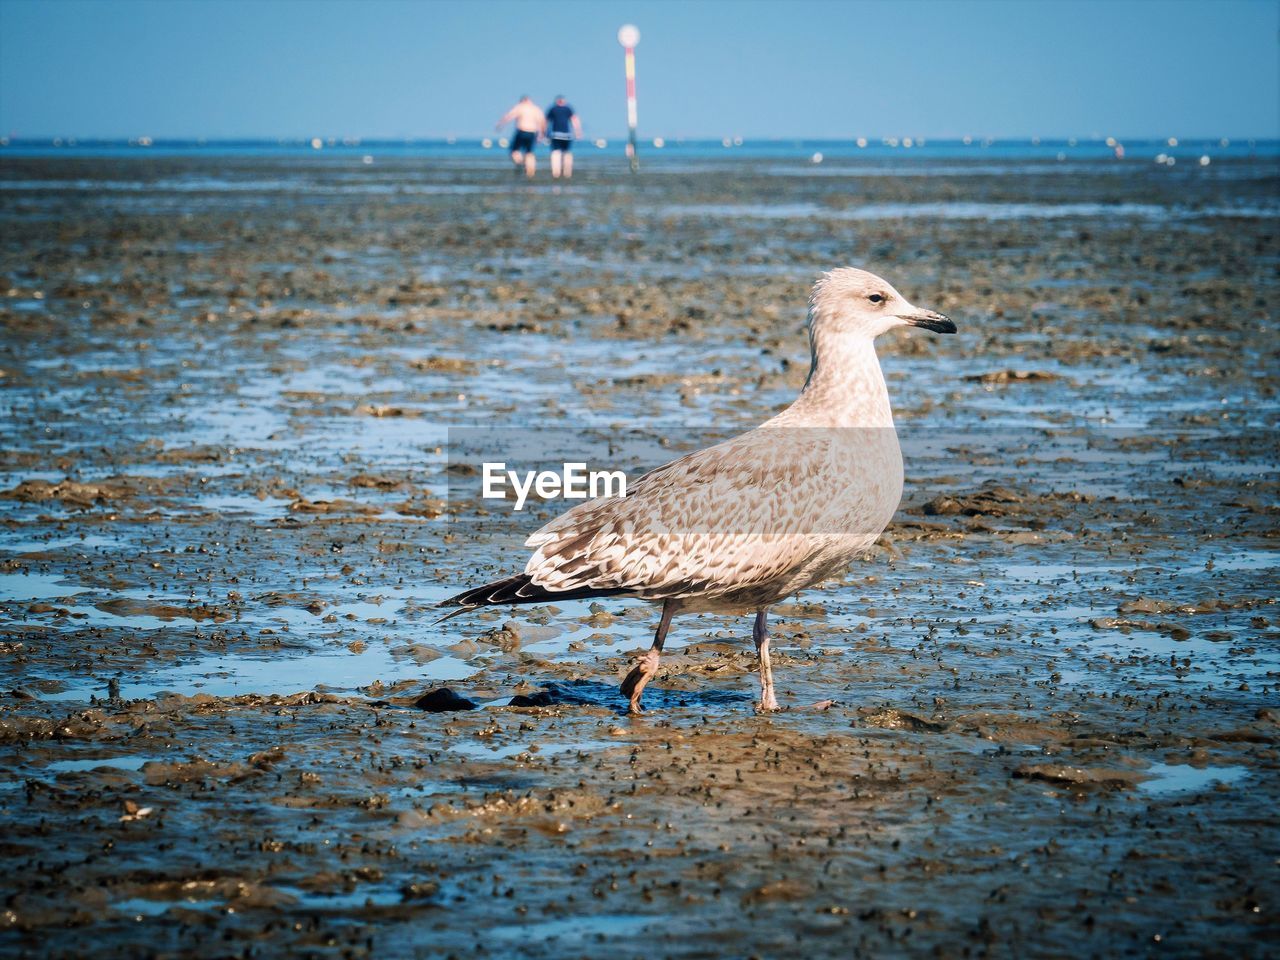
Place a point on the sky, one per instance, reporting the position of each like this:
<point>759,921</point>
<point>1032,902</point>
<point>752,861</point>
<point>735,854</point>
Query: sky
<point>431,68</point>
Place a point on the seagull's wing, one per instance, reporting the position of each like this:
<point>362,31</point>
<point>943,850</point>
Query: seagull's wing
<point>740,513</point>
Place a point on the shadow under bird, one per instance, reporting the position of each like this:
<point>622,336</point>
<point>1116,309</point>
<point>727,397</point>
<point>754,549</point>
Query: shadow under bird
<point>742,525</point>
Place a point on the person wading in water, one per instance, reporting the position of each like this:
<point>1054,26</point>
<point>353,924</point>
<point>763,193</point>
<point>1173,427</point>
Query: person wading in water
<point>560,120</point>
<point>531,123</point>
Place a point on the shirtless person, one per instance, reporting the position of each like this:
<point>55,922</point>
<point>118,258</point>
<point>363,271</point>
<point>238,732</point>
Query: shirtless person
<point>559,117</point>
<point>531,123</point>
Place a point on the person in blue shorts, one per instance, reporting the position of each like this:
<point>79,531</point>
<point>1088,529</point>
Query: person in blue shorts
<point>531,123</point>
<point>563,128</point>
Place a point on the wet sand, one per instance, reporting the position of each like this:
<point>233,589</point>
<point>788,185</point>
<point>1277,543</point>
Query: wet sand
<point>225,513</point>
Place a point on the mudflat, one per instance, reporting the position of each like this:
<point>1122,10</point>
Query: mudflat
<point>226,511</point>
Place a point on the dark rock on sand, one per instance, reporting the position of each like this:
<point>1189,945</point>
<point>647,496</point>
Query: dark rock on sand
<point>443,700</point>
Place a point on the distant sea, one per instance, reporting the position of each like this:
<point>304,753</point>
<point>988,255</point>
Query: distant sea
<point>1182,150</point>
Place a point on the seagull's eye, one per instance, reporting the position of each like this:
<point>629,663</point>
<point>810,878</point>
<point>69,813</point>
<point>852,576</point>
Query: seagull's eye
<point>876,298</point>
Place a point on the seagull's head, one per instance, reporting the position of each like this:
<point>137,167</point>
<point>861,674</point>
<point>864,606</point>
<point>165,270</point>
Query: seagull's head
<point>854,302</point>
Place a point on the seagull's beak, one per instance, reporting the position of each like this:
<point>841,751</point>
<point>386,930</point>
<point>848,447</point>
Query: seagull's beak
<point>937,322</point>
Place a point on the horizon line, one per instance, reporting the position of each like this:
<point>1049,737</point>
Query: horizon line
<point>353,140</point>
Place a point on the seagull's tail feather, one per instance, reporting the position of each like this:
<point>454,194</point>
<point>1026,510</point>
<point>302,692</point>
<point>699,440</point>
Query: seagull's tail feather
<point>517,589</point>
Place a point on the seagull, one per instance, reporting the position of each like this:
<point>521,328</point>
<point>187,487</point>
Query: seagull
<point>744,524</point>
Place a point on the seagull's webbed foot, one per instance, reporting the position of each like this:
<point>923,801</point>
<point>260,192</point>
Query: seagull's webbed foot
<point>644,671</point>
<point>768,700</point>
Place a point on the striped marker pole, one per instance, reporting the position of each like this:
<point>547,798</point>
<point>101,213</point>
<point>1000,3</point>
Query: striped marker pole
<point>629,37</point>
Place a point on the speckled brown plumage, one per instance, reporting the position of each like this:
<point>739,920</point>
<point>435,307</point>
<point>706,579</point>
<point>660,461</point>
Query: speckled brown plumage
<point>743,524</point>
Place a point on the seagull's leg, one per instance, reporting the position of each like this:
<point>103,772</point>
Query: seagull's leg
<point>760,633</point>
<point>647,668</point>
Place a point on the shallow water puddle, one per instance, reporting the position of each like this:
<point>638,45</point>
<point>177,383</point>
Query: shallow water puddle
<point>231,676</point>
<point>114,763</point>
<point>1053,572</point>
<point>344,900</point>
<point>36,586</point>
<point>242,505</point>
<point>36,545</point>
<point>1239,560</point>
<point>1167,778</point>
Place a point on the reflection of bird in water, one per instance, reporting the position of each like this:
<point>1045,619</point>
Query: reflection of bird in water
<point>741,525</point>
